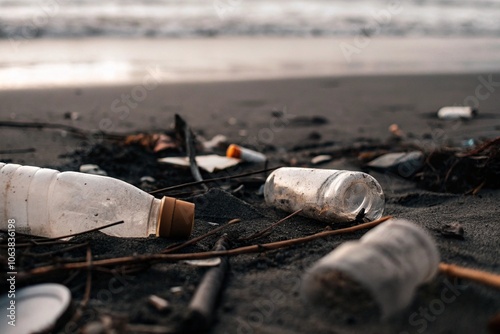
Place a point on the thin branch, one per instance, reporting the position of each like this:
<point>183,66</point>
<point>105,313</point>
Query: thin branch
<point>184,131</point>
<point>66,249</point>
<point>193,241</point>
<point>268,230</point>
<point>88,285</point>
<point>85,232</point>
<point>189,184</point>
<point>202,255</point>
<point>482,277</point>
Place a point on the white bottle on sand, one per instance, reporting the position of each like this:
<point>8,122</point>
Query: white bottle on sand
<point>48,203</point>
<point>389,262</point>
<point>325,194</point>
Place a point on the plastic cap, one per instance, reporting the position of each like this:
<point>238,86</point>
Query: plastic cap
<point>233,151</point>
<point>176,218</point>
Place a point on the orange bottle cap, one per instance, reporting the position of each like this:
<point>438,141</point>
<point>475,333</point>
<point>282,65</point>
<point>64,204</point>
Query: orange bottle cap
<point>233,151</point>
<point>176,218</point>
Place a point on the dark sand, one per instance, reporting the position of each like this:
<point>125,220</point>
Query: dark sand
<point>261,294</point>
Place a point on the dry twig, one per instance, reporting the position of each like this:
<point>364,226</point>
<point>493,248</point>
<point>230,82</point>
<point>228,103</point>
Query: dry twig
<point>202,255</point>
<point>478,276</point>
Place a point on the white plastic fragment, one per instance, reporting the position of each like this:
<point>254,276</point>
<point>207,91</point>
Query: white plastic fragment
<point>92,169</point>
<point>212,262</point>
<point>210,163</point>
<point>456,112</point>
<point>159,303</point>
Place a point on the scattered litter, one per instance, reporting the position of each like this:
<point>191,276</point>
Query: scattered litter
<point>346,193</point>
<point>147,179</point>
<point>31,302</point>
<point>154,141</point>
<point>467,171</point>
<point>216,142</point>
<point>456,112</point>
<point>238,190</point>
<point>213,262</point>
<point>403,164</point>
<point>453,230</point>
<point>396,131</point>
<point>159,303</point>
<point>210,163</point>
<point>373,267</point>
<point>319,159</point>
<point>213,224</point>
<point>92,169</point>
<point>176,289</point>
<point>468,143</point>
<point>72,115</point>
<point>245,154</point>
<point>260,191</point>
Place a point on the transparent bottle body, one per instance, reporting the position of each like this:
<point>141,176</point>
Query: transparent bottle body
<point>325,194</point>
<point>49,203</point>
<point>390,261</point>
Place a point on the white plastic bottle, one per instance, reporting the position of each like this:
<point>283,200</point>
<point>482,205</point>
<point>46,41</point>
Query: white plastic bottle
<point>325,194</point>
<point>390,262</point>
<point>48,203</point>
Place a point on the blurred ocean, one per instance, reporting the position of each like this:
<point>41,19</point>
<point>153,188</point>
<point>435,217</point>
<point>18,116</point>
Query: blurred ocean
<point>61,43</point>
<point>276,18</point>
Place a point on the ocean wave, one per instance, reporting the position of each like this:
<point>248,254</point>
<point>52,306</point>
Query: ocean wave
<point>196,18</point>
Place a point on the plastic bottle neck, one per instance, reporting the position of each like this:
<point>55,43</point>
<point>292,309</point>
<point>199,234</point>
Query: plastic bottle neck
<point>154,216</point>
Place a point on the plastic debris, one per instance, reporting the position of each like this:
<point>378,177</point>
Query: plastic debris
<point>319,159</point>
<point>403,164</point>
<point>210,163</point>
<point>147,179</point>
<point>217,141</point>
<point>389,262</point>
<point>325,194</point>
<point>92,169</point>
<point>176,289</point>
<point>456,112</point>
<point>31,304</point>
<point>212,262</point>
<point>159,303</point>
<point>78,202</point>
<point>245,154</point>
<point>396,131</point>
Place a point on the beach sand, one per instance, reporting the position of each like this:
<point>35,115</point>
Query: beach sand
<point>318,115</point>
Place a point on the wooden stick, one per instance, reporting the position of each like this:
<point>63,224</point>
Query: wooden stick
<point>185,133</point>
<point>482,277</point>
<point>203,304</point>
<point>202,255</point>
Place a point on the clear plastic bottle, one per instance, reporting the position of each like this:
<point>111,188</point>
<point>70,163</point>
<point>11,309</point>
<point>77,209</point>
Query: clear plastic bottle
<point>389,262</point>
<point>325,194</point>
<point>48,203</point>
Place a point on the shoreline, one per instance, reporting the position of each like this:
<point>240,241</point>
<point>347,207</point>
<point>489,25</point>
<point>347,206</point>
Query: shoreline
<point>58,63</point>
